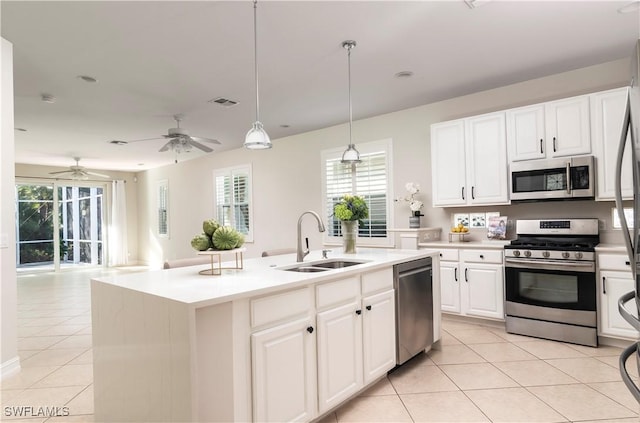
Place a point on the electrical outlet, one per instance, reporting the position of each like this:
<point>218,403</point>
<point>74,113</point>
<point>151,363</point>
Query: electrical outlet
<point>602,225</point>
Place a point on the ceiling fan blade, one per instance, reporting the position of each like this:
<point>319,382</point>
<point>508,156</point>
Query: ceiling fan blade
<point>200,146</point>
<point>102,175</point>
<point>145,139</point>
<point>166,147</point>
<point>200,139</point>
<point>61,172</point>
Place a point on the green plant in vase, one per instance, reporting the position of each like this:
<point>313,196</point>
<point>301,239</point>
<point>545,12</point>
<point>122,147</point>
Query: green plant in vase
<point>350,210</point>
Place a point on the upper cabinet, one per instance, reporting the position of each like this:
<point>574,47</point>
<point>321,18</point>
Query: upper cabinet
<point>555,129</point>
<point>607,115</point>
<point>469,161</point>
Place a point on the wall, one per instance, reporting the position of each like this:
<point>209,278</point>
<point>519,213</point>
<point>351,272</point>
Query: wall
<point>35,174</point>
<point>286,179</point>
<point>9,361</point>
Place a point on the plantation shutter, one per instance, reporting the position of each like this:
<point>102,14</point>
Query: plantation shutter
<point>233,199</point>
<point>369,179</point>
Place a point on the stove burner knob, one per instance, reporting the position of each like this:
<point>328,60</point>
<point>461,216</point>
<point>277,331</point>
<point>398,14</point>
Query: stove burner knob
<point>527,253</point>
<point>565,255</point>
<point>579,255</point>
<point>545,254</point>
<point>516,253</point>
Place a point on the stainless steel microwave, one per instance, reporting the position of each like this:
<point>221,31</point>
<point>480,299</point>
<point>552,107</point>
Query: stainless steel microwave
<point>553,179</point>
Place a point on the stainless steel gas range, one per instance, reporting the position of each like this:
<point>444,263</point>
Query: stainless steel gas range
<point>550,280</point>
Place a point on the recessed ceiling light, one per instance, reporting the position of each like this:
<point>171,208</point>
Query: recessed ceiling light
<point>472,4</point>
<point>404,74</point>
<point>48,98</point>
<point>118,142</point>
<point>20,129</point>
<point>87,78</point>
<point>284,126</point>
<point>634,6</point>
<point>140,164</point>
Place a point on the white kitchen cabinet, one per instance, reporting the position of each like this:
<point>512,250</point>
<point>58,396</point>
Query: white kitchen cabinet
<point>283,372</point>
<point>448,167</point>
<point>378,335</point>
<point>450,286</point>
<point>525,133</point>
<point>554,129</point>
<point>607,114</point>
<point>614,280</point>
<point>472,282</point>
<point>567,127</point>
<point>469,161</point>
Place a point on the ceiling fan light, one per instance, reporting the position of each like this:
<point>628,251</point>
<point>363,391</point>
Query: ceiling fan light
<point>257,138</point>
<point>350,155</point>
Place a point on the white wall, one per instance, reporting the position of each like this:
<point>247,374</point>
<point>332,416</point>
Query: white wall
<point>9,361</point>
<point>34,173</point>
<point>287,178</point>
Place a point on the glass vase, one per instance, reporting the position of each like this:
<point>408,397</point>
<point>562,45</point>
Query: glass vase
<point>349,236</point>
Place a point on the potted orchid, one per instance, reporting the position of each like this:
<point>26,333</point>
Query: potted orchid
<point>414,205</point>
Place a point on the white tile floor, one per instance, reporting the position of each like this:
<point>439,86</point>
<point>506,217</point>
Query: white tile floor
<point>480,374</point>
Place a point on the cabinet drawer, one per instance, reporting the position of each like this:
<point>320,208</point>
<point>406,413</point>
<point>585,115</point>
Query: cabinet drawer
<point>380,280</point>
<point>337,292</point>
<point>449,254</point>
<point>275,308</point>
<point>614,262</point>
<point>481,256</point>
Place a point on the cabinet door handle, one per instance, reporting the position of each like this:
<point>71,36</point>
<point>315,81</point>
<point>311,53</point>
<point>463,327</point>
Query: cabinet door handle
<point>368,307</point>
<point>541,151</point>
<point>554,144</point>
<point>463,193</point>
<point>358,312</point>
<point>310,329</point>
<point>604,285</point>
<point>455,273</point>
<point>473,195</point>
<point>466,276</point>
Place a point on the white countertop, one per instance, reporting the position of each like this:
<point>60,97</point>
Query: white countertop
<point>611,248</point>
<point>488,244</point>
<point>259,276</point>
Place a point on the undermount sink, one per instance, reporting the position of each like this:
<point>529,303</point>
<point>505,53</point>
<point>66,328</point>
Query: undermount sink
<point>336,264</point>
<point>321,266</point>
<point>306,269</point>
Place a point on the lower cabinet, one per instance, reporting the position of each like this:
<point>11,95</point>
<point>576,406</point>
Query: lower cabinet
<point>472,282</point>
<point>614,280</point>
<point>283,369</point>
<point>311,350</point>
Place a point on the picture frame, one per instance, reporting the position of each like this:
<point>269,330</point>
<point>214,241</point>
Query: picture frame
<point>459,218</point>
<point>478,220</point>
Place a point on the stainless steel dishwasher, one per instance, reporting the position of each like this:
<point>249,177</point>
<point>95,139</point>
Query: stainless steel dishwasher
<point>414,307</point>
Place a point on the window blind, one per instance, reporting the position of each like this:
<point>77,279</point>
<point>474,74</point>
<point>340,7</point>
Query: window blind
<point>233,199</point>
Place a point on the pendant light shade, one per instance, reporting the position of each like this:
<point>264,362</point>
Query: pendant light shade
<point>257,138</point>
<point>351,155</point>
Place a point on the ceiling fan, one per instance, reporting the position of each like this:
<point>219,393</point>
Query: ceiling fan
<point>179,140</point>
<point>79,173</point>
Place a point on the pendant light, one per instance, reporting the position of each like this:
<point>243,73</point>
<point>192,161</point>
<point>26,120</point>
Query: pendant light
<point>257,138</point>
<point>350,155</point>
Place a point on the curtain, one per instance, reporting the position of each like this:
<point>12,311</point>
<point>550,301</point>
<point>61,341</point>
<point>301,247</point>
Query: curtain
<point>118,250</point>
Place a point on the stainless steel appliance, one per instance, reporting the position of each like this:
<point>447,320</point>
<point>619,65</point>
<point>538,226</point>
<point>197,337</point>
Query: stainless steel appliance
<point>631,133</point>
<point>414,307</point>
<point>553,179</point>
<point>550,280</point>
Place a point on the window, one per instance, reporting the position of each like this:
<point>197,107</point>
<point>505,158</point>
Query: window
<point>233,199</point>
<point>163,208</point>
<point>370,179</point>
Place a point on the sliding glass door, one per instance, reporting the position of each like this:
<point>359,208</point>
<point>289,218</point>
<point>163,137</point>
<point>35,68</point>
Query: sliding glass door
<point>59,225</point>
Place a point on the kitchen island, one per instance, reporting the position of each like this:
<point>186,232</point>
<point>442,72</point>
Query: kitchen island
<point>258,343</point>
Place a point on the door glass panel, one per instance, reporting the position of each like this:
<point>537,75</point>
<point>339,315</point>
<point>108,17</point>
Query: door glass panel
<point>34,234</point>
<point>548,288</point>
<point>540,180</point>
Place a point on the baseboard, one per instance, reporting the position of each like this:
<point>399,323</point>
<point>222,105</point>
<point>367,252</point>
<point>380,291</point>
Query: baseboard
<point>9,368</point>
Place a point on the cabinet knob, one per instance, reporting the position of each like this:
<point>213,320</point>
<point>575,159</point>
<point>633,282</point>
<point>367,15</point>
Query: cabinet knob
<point>310,329</point>
<point>368,307</point>
<point>441,256</point>
<point>626,262</point>
<point>358,312</point>
<point>481,256</point>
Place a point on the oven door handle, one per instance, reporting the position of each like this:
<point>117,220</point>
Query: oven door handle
<point>577,266</point>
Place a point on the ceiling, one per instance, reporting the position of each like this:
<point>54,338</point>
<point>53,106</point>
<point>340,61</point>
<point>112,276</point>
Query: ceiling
<point>153,60</point>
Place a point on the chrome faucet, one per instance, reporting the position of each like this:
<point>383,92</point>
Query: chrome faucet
<point>302,253</point>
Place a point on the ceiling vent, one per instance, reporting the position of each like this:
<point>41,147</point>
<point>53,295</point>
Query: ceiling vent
<point>223,102</point>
